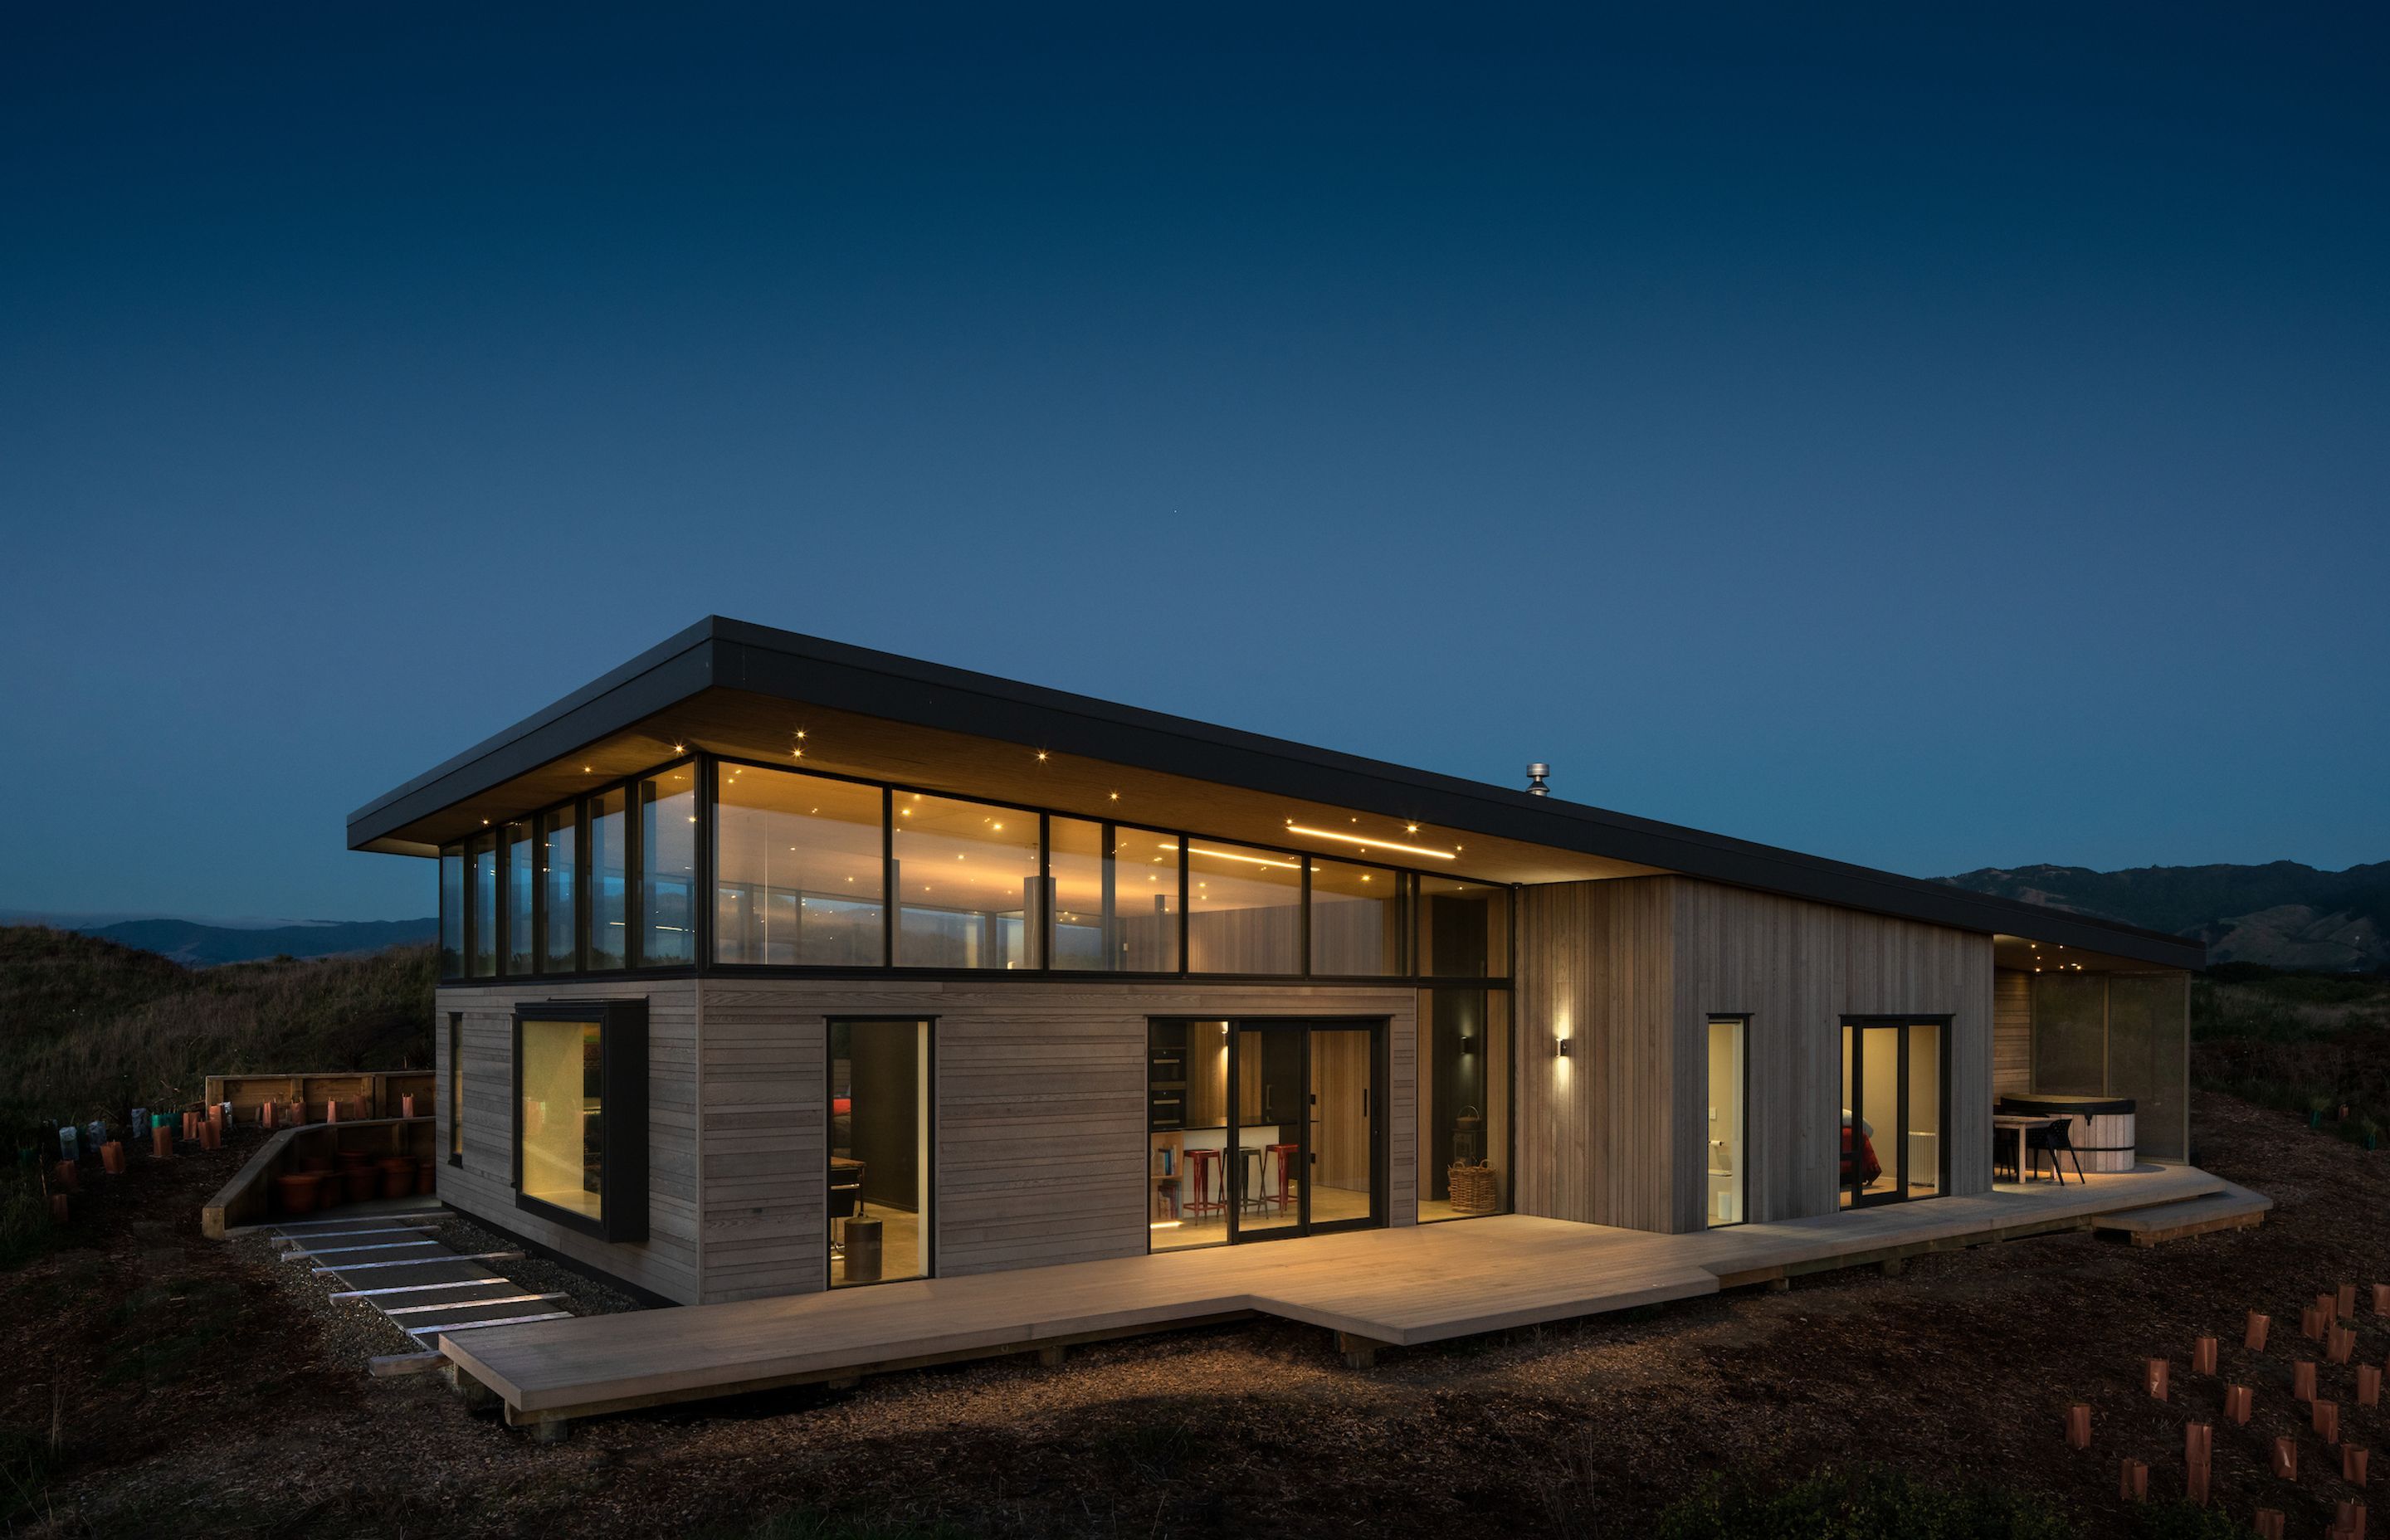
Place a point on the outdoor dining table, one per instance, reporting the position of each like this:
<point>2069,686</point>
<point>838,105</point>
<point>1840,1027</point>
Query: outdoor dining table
<point>2005,1121</point>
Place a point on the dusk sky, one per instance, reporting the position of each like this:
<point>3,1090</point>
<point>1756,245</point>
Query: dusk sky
<point>1929,439</point>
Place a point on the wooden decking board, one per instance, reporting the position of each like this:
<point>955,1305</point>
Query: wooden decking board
<point>2232,1207</point>
<point>1401,1286</point>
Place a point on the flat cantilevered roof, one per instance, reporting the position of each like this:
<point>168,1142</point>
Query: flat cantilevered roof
<point>751,692</point>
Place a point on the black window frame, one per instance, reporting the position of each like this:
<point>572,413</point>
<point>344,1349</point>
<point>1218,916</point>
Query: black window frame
<point>622,1094</point>
<point>1941,1022</point>
<point>1742,1140</point>
<point>706,768</point>
<point>929,1071</point>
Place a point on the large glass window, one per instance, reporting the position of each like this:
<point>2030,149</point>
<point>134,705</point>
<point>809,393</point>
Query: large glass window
<point>879,1155</point>
<point>1464,1103</point>
<point>668,867</point>
<point>1244,909</point>
<point>2070,1033</point>
<point>1187,1133</point>
<point>1357,919</point>
<point>560,839</point>
<point>455,1088</point>
<point>2148,1039</point>
<point>452,912</point>
<point>520,873</point>
<point>966,883</point>
<point>563,1115</point>
<point>1729,1177</point>
<point>1464,927</point>
<point>610,881</point>
<point>1116,897</point>
<point>482,864</point>
<point>797,869</point>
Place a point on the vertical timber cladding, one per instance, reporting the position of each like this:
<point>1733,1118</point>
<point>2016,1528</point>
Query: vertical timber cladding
<point>1039,1137</point>
<point>1596,967</point>
<point>1798,967</point>
<point>1631,969</point>
<point>2012,1033</point>
<point>482,1185</point>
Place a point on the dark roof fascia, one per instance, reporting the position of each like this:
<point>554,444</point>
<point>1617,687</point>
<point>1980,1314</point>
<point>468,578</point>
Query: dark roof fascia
<point>739,655</point>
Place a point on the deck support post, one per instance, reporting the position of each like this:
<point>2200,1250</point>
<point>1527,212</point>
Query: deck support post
<point>844,1382</point>
<point>548,1430</point>
<point>1051,1357</point>
<point>1895,1266</point>
<point>1360,1353</point>
<point>1779,1286</point>
<point>472,1391</point>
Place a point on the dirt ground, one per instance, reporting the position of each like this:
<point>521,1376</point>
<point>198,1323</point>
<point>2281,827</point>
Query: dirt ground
<point>161,1382</point>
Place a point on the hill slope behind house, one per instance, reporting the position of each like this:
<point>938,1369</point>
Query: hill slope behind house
<point>2282,914</point>
<point>207,945</point>
<point>89,1027</point>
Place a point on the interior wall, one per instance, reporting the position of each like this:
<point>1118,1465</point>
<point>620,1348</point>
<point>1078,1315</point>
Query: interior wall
<point>1797,969</point>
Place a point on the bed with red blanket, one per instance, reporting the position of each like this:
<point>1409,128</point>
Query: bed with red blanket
<point>1870,1168</point>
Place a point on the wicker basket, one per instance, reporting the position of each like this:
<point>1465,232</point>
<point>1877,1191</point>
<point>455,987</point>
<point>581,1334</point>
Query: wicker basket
<point>1472,1187</point>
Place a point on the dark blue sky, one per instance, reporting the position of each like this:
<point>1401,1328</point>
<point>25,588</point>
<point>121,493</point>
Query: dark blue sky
<point>1933,441</point>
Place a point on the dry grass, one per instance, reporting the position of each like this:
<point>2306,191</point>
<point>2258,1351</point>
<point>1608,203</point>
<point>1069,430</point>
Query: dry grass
<point>89,1028</point>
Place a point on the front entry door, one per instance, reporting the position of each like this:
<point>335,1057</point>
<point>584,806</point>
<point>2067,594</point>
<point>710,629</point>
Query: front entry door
<point>1303,1151</point>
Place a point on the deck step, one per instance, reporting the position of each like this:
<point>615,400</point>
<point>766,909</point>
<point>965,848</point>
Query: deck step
<point>2236,1207</point>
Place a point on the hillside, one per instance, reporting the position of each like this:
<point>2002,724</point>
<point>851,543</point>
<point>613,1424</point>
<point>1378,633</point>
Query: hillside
<point>2282,913</point>
<point>200,945</point>
<point>90,1026</point>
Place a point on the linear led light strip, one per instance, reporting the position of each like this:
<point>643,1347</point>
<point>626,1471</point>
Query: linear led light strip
<point>1232,856</point>
<point>1365,840</point>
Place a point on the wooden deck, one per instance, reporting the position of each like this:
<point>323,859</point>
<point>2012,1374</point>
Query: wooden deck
<point>1374,1288</point>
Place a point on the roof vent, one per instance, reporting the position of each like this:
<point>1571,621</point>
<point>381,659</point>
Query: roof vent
<point>1535,787</point>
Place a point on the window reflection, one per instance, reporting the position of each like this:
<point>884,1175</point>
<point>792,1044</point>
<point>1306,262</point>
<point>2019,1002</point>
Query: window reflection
<point>482,861</point>
<point>1244,909</point>
<point>966,877</point>
<point>1357,919</point>
<point>560,893</point>
<point>1116,897</point>
<point>797,869</point>
<point>610,881</point>
<point>520,873</point>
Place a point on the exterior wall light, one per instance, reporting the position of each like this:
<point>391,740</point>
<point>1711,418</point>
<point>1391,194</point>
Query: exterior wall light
<point>1561,1046</point>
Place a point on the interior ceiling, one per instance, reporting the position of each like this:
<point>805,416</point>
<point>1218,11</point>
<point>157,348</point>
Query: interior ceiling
<point>747,726</point>
<point>2042,956</point>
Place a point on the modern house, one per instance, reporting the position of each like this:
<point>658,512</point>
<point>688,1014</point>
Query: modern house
<point>773,965</point>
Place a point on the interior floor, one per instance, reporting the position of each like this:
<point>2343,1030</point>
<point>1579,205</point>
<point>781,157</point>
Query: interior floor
<point>900,1246</point>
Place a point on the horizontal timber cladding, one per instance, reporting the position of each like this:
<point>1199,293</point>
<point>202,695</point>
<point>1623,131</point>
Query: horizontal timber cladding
<point>1040,1131</point>
<point>2012,1033</point>
<point>1797,969</point>
<point>482,1184</point>
<point>1592,1125</point>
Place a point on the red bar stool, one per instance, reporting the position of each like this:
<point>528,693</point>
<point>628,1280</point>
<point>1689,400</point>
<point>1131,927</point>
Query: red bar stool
<point>1283,1153</point>
<point>1202,1169</point>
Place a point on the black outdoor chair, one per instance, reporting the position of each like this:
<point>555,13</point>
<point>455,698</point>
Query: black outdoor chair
<point>2055,1140</point>
<point>2004,1155</point>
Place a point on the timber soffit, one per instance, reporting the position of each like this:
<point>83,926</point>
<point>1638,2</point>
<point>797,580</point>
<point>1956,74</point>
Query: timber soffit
<point>717,652</point>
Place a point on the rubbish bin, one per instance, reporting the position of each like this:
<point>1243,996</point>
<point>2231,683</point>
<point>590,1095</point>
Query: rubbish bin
<point>862,1251</point>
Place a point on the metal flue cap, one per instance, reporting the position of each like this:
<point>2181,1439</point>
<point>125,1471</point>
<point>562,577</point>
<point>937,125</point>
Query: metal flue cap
<point>1535,774</point>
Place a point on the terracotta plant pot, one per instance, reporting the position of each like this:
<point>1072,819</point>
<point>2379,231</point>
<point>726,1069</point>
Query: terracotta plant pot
<point>161,1141</point>
<point>294,1191</point>
<point>358,1184</point>
<point>69,1180</point>
<point>58,1206</point>
<point>397,1177</point>
<point>407,1107</point>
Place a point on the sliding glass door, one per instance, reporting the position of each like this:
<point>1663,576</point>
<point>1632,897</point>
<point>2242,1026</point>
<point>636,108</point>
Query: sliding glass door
<point>1894,1110</point>
<point>1262,1128</point>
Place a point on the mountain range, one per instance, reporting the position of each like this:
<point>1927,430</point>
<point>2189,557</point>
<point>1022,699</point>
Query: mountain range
<point>196,945</point>
<point>2282,913</point>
